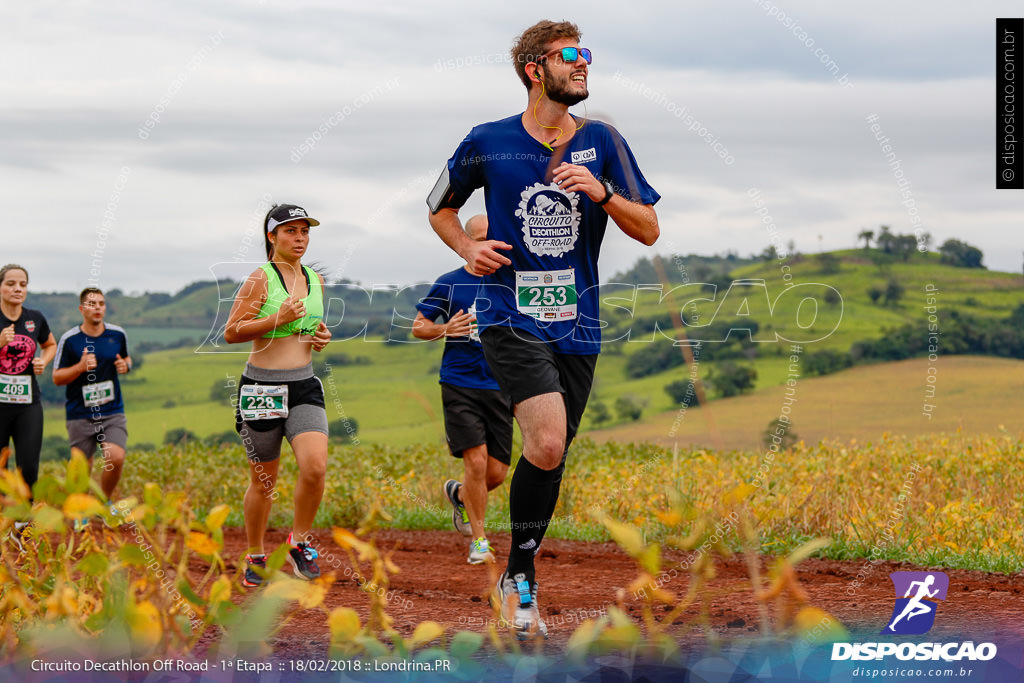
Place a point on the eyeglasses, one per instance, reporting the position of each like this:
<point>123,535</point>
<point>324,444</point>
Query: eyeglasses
<point>571,54</point>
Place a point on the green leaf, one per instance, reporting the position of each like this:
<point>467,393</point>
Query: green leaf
<point>93,564</point>
<point>48,490</point>
<point>373,647</point>
<point>130,553</point>
<point>151,494</point>
<point>431,654</point>
<point>465,643</point>
<point>48,520</point>
<point>276,559</point>
<point>186,590</point>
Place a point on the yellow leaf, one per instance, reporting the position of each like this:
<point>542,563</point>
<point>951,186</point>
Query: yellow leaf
<point>79,505</point>
<point>216,518</point>
<point>15,483</point>
<point>344,623</point>
<point>670,518</point>
<point>308,594</point>
<point>619,618</point>
<point>628,537</point>
<point>650,558</point>
<point>313,595</point>
<point>646,585</point>
<point>737,495</point>
<point>690,541</point>
<point>144,622</point>
<point>818,626</point>
<point>808,549</point>
<point>201,543</point>
<point>346,539</point>
<point>619,637</point>
<point>220,591</point>
<point>583,637</point>
<point>425,632</point>
<point>78,473</point>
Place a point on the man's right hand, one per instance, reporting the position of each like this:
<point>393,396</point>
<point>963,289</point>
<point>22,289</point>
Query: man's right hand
<point>88,361</point>
<point>483,258</point>
<point>459,325</point>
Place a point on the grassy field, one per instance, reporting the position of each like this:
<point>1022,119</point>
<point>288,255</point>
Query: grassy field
<point>397,401</point>
<point>165,335</point>
<point>959,491</point>
<point>861,403</point>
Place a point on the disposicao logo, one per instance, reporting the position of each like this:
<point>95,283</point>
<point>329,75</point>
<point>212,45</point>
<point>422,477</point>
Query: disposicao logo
<point>914,612</point>
<point>917,596</point>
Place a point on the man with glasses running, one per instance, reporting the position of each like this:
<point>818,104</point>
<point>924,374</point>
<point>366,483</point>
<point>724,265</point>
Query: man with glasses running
<point>551,182</point>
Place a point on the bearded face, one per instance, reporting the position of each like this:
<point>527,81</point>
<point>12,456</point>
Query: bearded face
<point>565,83</point>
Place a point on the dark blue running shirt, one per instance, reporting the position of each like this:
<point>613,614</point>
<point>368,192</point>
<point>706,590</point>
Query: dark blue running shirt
<point>105,399</point>
<point>463,363</point>
<point>551,288</point>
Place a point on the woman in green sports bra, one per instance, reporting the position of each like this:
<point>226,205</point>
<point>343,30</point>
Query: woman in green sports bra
<point>280,310</point>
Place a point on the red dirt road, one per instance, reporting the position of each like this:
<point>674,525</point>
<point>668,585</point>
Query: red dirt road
<point>578,579</point>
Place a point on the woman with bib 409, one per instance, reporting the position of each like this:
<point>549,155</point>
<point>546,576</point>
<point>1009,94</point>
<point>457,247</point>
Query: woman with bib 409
<point>280,310</point>
<point>22,332</point>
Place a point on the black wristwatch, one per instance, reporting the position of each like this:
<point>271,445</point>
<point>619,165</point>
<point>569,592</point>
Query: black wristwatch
<point>609,193</point>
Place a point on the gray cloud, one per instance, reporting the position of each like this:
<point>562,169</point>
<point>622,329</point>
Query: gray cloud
<point>90,76</point>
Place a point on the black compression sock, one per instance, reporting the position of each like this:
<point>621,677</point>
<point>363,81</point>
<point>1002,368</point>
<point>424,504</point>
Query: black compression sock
<point>556,487</point>
<point>530,503</point>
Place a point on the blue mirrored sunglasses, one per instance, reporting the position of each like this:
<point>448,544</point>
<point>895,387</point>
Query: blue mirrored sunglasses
<point>571,54</point>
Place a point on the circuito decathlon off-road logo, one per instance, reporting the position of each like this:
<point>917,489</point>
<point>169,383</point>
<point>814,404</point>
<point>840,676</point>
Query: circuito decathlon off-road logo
<point>551,220</point>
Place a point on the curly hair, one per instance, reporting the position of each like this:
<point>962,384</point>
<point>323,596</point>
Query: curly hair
<point>533,43</point>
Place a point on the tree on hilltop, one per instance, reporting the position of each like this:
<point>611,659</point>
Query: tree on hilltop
<point>886,241</point>
<point>960,254</point>
<point>867,236</point>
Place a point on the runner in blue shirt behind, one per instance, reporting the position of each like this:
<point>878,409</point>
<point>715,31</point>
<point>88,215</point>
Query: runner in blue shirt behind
<point>477,413</point>
<point>551,181</point>
<point>90,358</point>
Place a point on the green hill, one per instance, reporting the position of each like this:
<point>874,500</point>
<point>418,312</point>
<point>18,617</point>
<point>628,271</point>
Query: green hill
<point>861,403</point>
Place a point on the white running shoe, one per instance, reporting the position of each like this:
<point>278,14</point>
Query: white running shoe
<point>460,518</point>
<point>480,552</point>
<point>516,600</point>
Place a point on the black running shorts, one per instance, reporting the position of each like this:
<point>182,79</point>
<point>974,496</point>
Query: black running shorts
<point>526,367</point>
<point>306,412</point>
<point>478,416</point>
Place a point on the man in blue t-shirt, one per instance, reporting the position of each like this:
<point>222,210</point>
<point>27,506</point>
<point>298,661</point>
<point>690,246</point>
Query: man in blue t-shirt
<point>90,357</point>
<point>551,181</point>
<point>477,413</point>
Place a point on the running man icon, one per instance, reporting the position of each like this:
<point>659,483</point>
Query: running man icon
<point>927,587</point>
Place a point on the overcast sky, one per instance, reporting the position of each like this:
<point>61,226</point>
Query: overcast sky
<point>232,89</point>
